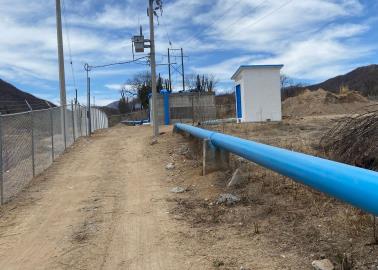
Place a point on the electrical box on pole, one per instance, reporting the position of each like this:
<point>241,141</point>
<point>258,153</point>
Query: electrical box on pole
<point>140,43</point>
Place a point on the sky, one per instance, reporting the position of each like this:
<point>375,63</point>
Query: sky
<point>313,39</point>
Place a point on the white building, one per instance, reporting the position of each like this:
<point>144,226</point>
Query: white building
<point>258,93</point>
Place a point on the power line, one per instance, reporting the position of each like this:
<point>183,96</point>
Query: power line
<point>253,23</point>
<point>166,32</point>
<point>68,42</point>
<point>88,67</point>
<point>210,25</point>
<point>248,24</point>
<point>246,14</point>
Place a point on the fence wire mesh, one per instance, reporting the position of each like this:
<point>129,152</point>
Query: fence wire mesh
<point>30,141</point>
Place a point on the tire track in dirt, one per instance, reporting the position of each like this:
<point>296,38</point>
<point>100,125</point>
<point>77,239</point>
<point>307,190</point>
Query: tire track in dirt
<point>100,206</point>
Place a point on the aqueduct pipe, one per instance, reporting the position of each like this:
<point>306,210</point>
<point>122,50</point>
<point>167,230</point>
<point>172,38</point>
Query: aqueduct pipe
<point>354,185</point>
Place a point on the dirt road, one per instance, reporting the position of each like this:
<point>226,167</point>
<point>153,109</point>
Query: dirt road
<point>106,204</point>
<point>102,205</point>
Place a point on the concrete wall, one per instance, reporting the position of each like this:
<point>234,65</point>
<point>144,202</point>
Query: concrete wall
<point>134,116</point>
<point>261,94</point>
<point>186,107</point>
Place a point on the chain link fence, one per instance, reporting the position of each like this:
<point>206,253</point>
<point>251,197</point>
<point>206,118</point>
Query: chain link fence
<point>31,141</point>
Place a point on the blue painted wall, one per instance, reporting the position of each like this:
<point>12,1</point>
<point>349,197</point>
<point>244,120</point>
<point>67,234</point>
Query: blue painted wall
<point>238,102</point>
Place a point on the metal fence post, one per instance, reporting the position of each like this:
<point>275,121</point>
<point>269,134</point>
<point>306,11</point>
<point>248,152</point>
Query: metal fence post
<point>73,122</point>
<point>63,111</point>
<point>51,130</point>
<point>1,162</point>
<point>86,121</point>
<point>81,120</point>
<point>32,135</point>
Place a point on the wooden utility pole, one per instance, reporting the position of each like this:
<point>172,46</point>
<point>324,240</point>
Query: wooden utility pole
<point>62,80</point>
<point>153,70</point>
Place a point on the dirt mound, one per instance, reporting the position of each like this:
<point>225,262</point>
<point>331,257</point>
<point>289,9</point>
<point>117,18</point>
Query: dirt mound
<point>322,102</point>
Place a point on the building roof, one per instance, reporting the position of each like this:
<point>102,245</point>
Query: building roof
<point>244,67</point>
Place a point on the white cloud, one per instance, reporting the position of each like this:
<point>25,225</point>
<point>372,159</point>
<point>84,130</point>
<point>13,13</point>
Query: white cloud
<point>225,69</point>
<point>116,87</point>
<point>307,36</point>
<point>310,37</point>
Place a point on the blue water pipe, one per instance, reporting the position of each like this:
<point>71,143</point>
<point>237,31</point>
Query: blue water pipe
<point>354,185</point>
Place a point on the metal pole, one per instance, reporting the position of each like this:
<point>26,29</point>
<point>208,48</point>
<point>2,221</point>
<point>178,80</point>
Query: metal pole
<point>153,70</point>
<point>32,136</point>
<point>193,107</point>
<point>169,71</point>
<point>51,131</point>
<point>94,114</point>
<point>183,70</point>
<point>1,162</point>
<point>73,121</point>
<point>86,122</point>
<point>81,121</point>
<point>89,102</point>
<point>62,82</point>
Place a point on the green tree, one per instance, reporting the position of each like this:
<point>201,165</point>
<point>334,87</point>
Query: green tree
<point>159,84</point>
<point>198,84</point>
<point>140,86</point>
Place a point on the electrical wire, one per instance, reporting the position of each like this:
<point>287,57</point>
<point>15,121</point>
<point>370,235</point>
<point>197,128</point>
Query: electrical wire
<point>68,42</point>
<point>221,17</point>
<point>253,23</point>
<point>117,63</point>
<point>166,32</point>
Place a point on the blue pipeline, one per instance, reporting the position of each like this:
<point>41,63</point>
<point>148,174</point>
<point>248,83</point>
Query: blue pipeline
<point>354,185</point>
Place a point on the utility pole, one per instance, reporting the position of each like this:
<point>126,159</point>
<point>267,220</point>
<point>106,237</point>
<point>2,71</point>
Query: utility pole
<point>153,70</point>
<point>183,71</point>
<point>62,82</point>
<point>89,120</point>
<point>169,70</point>
<point>75,96</point>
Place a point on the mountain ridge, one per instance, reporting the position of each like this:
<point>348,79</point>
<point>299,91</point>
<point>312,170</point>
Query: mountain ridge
<point>12,100</point>
<point>362,79</point>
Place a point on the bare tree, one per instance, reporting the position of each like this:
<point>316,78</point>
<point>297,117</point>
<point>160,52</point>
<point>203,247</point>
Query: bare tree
<point>285,81</point>
<point>201,83</point>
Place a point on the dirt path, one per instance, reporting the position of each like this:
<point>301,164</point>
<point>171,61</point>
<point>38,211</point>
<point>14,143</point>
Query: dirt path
<point>100,206</point>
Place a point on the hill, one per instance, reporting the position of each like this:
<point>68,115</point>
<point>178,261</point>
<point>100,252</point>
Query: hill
<point>113,105</point>
<point>12,100</point>
<point>362,79</point>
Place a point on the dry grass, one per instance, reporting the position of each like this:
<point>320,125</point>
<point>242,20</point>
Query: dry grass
<point>276,212</point>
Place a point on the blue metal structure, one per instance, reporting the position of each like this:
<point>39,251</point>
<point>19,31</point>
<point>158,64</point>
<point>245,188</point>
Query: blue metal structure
<point>354,185</point>
<point>167,118</point>
<point>238,101</point>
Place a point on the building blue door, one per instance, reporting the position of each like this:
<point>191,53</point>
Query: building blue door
<point>238,102</point>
